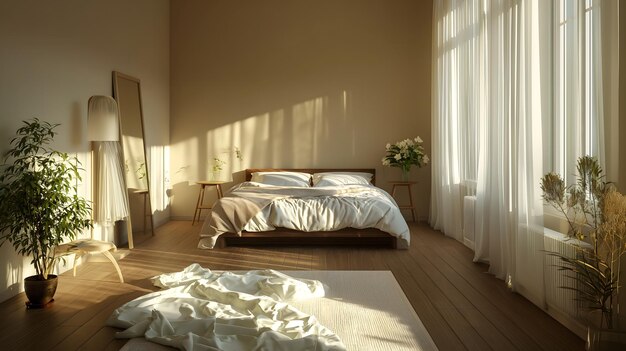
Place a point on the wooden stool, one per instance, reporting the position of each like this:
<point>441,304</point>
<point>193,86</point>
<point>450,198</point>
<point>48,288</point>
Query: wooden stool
<point>146,202</point>
<point>84,247</point>
<point>199,204</point>
<point>408,185</point>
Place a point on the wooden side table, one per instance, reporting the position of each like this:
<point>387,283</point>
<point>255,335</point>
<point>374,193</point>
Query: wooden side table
<point>200,204</point>
<point>407,184</point>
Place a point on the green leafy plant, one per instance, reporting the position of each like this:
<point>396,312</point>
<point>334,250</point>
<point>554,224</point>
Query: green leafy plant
<point>39,205</point>
<point>596,214</point>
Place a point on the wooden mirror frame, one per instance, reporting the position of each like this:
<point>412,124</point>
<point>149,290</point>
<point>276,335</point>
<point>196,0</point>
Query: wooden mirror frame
<point>117,76</point>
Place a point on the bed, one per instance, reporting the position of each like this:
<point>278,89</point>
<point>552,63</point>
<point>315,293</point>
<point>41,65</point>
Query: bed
<point>361,215</point>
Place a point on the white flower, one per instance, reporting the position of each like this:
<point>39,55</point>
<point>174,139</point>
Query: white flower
<point>388,146</point>
<point>425,159</point>
<point>386,162</point>
<point>398,157</point>
<point>419,140</point>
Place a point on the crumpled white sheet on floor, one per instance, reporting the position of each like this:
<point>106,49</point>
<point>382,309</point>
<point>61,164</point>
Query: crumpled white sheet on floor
<point>202,310</point>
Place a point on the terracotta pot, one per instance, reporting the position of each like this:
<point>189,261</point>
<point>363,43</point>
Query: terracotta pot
<point>39,291</point>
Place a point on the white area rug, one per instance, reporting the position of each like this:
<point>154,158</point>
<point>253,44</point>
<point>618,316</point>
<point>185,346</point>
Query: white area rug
<point>366,309</point>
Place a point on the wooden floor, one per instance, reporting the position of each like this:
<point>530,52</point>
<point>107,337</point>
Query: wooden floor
<point>461,306</point>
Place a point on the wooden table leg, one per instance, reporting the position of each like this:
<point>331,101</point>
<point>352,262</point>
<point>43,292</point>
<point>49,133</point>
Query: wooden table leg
<point>411,202</point>
<point>108,255</point>
<point>151,217</point>
<point>145,206</point>
<point>411,205</point>
<point>129,232</point>
<point>198,203</point>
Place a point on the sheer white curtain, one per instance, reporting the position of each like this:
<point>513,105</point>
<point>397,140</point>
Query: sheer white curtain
<point>487,129</point>
<point>517,92</point>
<point>458,68</point>
<point>509,210</point>
<point>111,197</point>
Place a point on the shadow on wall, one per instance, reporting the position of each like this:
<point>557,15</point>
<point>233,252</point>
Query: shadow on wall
<point>294,137</point>
<point>294,85</point>
<point>14,272</point>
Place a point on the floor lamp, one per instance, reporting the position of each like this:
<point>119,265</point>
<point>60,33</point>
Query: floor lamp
<point>111,198</point>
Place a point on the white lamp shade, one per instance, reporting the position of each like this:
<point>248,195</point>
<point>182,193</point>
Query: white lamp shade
<point>103,123</point>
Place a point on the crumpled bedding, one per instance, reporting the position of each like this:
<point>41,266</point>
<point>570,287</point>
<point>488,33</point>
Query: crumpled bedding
<point>255,207</point>
<point>203,310</point>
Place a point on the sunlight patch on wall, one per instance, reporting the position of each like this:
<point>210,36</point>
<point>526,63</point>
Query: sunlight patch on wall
<point>292,137</point>
<point>301,135</point>
<point>134,164</point>
<point>84,185</point>
<point>182,169</point>
<point>159,157</point>
<point>307,129</point>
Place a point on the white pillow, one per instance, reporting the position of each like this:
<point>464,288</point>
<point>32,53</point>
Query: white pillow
<point>341,178</point>
<point>297,179</point>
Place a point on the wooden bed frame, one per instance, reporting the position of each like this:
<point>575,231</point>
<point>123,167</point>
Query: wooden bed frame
<point>282,236</point>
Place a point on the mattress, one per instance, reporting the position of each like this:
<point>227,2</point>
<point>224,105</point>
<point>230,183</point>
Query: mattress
<point>309,210</point>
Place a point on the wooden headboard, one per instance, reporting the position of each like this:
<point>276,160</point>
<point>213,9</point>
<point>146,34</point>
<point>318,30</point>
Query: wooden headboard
<point>249,171</point>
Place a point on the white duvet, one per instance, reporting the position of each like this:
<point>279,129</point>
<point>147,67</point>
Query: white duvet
<point>364,206</point>
<point>203,310</point>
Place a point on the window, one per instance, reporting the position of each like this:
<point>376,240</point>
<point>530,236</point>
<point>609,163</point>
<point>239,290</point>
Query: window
<point>460,53</point>
<point>577,125</point>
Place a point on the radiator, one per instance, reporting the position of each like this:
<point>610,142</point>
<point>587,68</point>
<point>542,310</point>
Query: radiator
<point>559,299</point>
<point>469,221</point>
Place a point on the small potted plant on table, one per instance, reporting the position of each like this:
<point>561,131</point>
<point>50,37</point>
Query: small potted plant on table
<point>39,205</point>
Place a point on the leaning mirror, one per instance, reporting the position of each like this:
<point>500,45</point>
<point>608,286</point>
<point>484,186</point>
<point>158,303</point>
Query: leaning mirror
<point>127,92</point>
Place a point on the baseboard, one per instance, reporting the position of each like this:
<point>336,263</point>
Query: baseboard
<point>568,322</point>
<point>184,218</point>
<point>468,243</point>
<point>161,222</point>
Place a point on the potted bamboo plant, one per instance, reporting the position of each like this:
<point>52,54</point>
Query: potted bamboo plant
<point>39,204</point>
<point>596,214</point>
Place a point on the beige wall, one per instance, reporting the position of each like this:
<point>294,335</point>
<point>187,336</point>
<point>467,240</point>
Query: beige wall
<point>622,100</point>
<point>622,124</point>
<point>55,54</point>
<point>296,84</point>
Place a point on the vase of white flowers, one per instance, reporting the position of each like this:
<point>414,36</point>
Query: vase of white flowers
<point>405,154</point>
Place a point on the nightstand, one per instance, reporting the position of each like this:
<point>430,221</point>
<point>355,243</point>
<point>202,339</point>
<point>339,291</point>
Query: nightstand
<point>408,185</point>
<point>200,204</point>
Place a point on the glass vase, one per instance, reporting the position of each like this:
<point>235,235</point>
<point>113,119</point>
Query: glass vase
<point>405,174</point>
<point>215,175</point>
<point>600,337</point>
